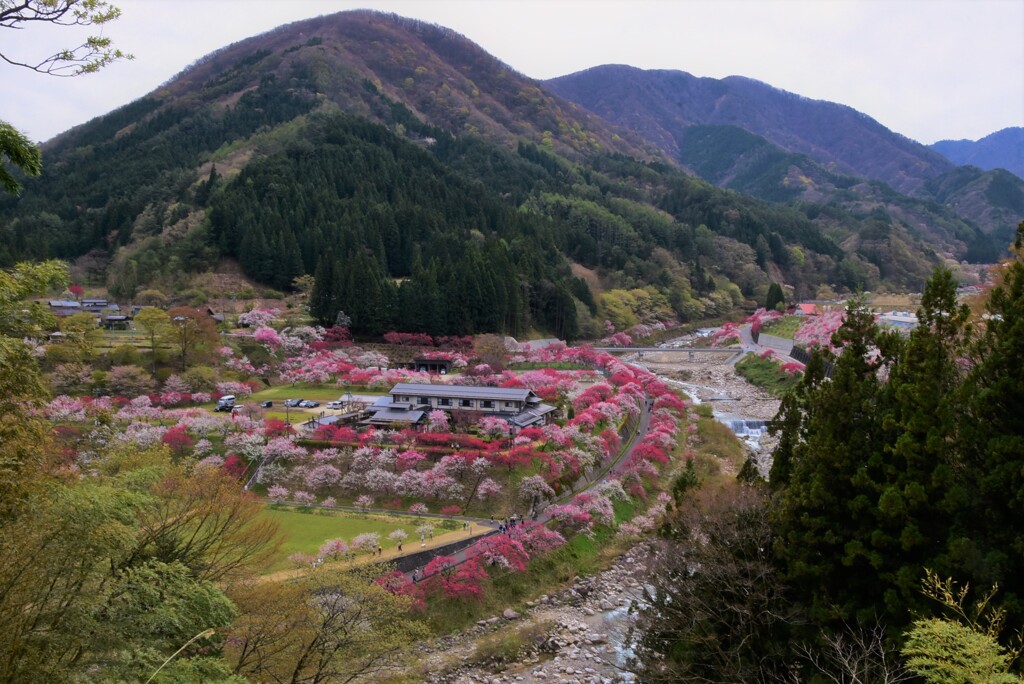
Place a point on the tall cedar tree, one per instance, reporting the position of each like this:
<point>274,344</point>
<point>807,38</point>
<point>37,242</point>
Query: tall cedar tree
<point>825,515</point>
<point>324,301</point>
<point>877,480</point>
<point>993,444</point>
<point>916,468</point>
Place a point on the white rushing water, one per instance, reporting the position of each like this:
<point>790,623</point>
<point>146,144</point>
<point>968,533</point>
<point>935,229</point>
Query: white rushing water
<point>750,430</point>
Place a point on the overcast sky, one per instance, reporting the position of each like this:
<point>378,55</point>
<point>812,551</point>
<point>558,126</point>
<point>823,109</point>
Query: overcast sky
<point>928,69</point>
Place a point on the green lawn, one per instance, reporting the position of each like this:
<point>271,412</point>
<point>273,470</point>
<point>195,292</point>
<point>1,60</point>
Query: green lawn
<point>322,393</point>
<point>305,529</point>
<point>784,327</point>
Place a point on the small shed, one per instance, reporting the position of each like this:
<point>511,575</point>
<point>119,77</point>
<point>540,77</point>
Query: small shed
<point>116,322</point>
<point>424,365</point>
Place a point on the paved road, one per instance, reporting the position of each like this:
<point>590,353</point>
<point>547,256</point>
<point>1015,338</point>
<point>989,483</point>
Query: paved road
<point>749,345</point>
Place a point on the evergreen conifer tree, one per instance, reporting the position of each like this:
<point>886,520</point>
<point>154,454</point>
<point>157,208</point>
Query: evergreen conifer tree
<point>825,514</point>
<point>993,443</point>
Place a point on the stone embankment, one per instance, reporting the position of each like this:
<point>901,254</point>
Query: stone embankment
<point>581,635</point>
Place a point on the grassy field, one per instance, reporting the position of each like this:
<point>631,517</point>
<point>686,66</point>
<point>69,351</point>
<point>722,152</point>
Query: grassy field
<point>895,301</point>
<point>321,393</point>
<point>111,339</point>
<point>305,529</point>
<point>718,447</point>
<point>766,374</point>
<point>784,327</point>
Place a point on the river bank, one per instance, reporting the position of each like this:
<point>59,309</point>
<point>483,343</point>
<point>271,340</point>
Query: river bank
<point>575,634</point>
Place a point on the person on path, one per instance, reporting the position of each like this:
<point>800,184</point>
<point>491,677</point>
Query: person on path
<point>380,550</point>
<point>399,547</point>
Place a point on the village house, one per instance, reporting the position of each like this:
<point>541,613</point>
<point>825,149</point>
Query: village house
<point>64,307</point>
<point>425,365</point>
<point>409,402</point>
<point>806,309</point>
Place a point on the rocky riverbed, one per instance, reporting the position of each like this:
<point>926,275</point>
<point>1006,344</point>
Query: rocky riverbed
<point>711,379</point>
<point>578,634</point>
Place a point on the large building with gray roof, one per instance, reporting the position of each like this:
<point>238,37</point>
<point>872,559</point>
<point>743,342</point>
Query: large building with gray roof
<point>409,402</point>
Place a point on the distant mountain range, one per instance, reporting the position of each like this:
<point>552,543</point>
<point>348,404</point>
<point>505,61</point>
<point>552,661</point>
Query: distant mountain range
<point>428,186</point>
<point>1001,150</point>
<point>666,106</point>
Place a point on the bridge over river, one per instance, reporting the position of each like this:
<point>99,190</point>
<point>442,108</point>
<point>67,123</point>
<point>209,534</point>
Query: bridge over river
<point>670,350</point>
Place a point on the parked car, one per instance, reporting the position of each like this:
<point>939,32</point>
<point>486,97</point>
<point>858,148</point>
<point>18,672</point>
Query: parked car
<point>267,404</point>
<point>336,404</point>
<point>293,402</point>
<point>307,403</point>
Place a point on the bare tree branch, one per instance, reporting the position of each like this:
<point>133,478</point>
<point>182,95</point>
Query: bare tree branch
<point>92,55</point>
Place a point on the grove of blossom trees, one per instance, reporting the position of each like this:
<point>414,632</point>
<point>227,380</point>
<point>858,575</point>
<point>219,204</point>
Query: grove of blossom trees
<point>486,470</point>
<point>817,331</point>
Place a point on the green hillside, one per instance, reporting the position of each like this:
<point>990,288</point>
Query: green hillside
<point>426,187</point>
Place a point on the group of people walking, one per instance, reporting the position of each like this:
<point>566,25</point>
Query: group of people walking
<point>510,522</point>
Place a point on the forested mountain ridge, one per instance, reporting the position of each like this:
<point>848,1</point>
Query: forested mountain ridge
<point>664,106</point>
<point>428,187</point>
<point>1000,150</point>
<point>732,157</point>
<point>838,136</point>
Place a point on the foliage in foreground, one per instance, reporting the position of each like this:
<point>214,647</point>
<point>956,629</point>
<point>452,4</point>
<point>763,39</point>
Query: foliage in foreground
<point>963,647</point>
<point>716,604</point>
<point>326,626</point>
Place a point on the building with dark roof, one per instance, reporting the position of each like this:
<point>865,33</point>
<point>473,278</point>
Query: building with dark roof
<point>64,307</point>
<point>409,402</point>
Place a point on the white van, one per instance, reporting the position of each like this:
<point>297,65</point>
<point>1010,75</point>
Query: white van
<point>225,403</point>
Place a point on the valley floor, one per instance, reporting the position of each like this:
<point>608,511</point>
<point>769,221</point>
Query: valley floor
<point>578,634</point>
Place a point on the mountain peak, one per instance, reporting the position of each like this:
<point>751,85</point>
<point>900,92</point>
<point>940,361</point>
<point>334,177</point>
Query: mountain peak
<point>441,76</point>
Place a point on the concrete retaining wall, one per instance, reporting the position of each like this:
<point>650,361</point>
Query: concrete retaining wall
<point>410,562</point>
